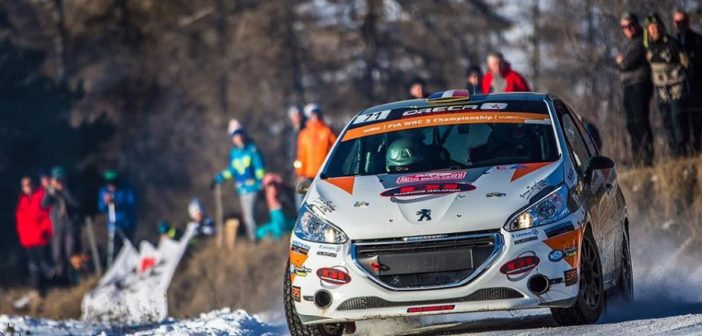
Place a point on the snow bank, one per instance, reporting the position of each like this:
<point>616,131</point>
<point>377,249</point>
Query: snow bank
<point>219,322</point>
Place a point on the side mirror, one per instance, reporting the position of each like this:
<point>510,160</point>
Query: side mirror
<point>303,187</point>
<point>598,163</point>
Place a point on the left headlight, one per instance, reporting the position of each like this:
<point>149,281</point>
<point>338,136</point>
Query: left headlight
<point>553,207</point>
<point>312,228</point>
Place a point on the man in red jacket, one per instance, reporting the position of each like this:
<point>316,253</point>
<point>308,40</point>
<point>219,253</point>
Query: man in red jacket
<point>501,77</point>
<point>34,231</point>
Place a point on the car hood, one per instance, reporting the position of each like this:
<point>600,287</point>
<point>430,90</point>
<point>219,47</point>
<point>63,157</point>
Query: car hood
<point>430,203</point>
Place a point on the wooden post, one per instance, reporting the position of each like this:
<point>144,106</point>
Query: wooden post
<point>93,246</point>
<point>219,214</point>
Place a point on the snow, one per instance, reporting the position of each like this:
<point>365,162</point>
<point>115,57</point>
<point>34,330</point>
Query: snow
<point>219,322</point>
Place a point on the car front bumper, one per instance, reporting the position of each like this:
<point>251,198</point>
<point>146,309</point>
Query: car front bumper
<point>499,286</point>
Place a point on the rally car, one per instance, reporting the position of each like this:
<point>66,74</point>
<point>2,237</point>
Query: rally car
<point>459,203</point>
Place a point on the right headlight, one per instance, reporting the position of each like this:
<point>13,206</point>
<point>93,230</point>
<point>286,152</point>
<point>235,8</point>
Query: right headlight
<point>553,207</point>
<point>312,228</point>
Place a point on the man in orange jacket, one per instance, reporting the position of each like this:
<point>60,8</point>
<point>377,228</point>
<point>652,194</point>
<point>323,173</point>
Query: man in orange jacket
<point>313,144</point>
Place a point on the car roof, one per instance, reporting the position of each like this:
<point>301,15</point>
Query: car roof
<point>421,103</point>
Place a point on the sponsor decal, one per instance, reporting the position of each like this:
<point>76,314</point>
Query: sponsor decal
<point>361,204</point>
<point>559,229</point>
<point>300,248</point>
<point>521,265</point>
<point>493,106</point>
<point>525,236</point>
<point>568,243</point>
<point>326,254</point>
<point>371,117</point>
<point>344,183</point>
<point>439,109</point>
<point>458,118</point>
<point>431,177</point>
<point>556,255</point>
<point>495,194</point>
<point>335,276</point>
<point>327,247</point>
<point>571,277</point>
<point>424,214</point>
<point>531,190</point>
<point>301,271</point>
<point>295,292</point>
<point>322,207</point>
<point>430,308</point>
<point>427,189</point>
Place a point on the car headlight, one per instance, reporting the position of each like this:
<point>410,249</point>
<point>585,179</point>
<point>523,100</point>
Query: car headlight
<point>312,228</point>
<point>551,208</point>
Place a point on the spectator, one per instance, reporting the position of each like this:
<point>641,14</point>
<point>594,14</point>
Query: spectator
<point>297,119</point>
<point>313,144</point>
<point>635,76</point>
<point>34,231</point>
<point>691,43</point>
<point>500,76</point>
<point>417,88</point>
<point>247,169</point>
<point>474,78</point>
<point>63,215</point>
<point>278,223</point>
<point>123,221</point>
<point>205,224</point>
<point>668,70</point>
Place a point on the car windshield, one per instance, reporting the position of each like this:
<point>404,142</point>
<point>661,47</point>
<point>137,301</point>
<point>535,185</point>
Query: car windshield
<point>399,141</point>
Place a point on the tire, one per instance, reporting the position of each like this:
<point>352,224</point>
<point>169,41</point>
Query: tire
<point>624,292</point>
<point>591,295</point>
<point>294,324</point>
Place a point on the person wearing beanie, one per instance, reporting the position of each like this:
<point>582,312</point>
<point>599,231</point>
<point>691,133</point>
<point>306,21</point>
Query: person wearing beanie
<point>64,215</point>
<point>418,88</point>
<point>474,78</point>
<point>669,64</point>
<point>122,197</point>
<point>198,216</point>
<point>313,144</point>
<point>691,43</point>
<point>635,76</point>
<point>247,169</point>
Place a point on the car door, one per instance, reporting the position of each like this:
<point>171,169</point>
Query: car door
<point>592,191</point>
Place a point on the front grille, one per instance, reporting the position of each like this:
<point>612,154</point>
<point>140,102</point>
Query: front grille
<point>485,294</point>
<point>427,262</point>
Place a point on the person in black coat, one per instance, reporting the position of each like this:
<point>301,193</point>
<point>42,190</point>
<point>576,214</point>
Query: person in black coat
<point>691,43</point>
<point>635,76</point>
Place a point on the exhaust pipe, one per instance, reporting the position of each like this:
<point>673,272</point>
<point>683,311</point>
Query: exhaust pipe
<point>322,299</point>
<point>538,284</point>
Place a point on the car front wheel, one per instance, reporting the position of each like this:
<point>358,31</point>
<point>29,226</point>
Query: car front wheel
<point>591,296</point>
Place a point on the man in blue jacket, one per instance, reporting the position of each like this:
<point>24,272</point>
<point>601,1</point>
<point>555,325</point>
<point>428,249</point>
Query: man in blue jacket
<point>123,219</point>
<point>246,168</point>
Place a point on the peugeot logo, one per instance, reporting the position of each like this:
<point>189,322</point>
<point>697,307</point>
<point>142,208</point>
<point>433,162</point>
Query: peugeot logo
<point>424,214</point>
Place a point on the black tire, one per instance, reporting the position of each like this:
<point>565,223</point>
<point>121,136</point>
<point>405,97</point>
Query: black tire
<point>624,292</point>
<point>294,324</point>
<point>591,295</point>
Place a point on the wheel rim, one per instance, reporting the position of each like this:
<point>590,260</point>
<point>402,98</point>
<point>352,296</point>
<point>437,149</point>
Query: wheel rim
<point>591,276</point>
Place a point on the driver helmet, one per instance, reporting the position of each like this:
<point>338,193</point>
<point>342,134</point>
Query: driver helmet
<point>405,154</point>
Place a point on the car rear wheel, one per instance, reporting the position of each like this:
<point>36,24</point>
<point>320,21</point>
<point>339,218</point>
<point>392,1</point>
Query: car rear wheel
<point>591,296</point>
<point>294,324</point>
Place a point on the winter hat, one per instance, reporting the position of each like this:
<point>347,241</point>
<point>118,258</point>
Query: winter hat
<point>58,173</point>
<point>654,18</point>
<point>293,110</point>
<point>234,127</point>
<point>312,108</point>
<point>195,207</point>
<point>110,175</point>
<point>474,69</point>
<point>631,17</point>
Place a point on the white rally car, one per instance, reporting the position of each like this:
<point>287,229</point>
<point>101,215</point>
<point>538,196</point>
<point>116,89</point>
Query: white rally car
<point>459,204</point>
